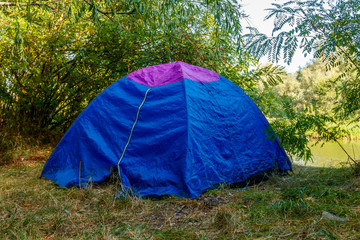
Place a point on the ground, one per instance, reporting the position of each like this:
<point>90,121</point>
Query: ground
<point>283,207</point>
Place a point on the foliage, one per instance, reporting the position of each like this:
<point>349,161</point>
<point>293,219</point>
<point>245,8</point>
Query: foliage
<point>57,56</point>
<point>293,126</point>
<point>327,28</point>
<point>312,87</point>
<point>326,89</point>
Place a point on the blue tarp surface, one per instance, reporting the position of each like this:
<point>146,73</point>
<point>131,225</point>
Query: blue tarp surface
<point>187,137</point>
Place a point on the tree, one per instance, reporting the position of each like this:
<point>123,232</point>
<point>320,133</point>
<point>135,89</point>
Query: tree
<point>57,56</point>
<point>329,28</point>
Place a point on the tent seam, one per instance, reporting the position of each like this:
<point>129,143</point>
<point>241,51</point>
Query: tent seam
<point>187,132</point>
<point>130,135</point>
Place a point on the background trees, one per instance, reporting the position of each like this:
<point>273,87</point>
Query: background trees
<point>56,56</point>
<point>326,96</point>
<point>330,29</point>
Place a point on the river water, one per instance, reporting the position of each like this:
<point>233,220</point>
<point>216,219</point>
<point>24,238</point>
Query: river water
<point>331,155</point>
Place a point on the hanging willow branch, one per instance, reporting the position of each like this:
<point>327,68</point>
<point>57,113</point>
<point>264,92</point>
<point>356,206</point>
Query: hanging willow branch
<point>14,4</point>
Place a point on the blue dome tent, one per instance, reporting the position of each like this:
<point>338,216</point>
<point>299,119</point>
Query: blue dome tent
<point>169,129</point>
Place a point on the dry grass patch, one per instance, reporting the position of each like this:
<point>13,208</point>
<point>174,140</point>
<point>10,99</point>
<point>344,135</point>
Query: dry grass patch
<point>281,208</point>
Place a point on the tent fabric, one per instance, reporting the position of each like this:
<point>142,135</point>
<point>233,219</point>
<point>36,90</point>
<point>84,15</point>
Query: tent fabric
<point>164,74</point>
<point>193,130</point>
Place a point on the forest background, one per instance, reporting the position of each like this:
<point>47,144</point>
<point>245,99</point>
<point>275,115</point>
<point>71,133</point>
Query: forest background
<point>57,56</point>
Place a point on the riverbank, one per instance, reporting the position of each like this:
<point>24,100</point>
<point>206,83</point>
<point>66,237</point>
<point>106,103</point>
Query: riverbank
<point>331,154</point>
<point>347,131</point>
<point>287,207</point>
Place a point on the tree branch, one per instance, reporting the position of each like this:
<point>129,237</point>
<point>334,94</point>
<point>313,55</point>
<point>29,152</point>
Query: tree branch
<point>110,13</point>
<point>12,4</point>
<point>120,13</point>
<point>336,43</point>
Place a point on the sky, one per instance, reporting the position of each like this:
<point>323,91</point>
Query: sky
<point>255,9</point>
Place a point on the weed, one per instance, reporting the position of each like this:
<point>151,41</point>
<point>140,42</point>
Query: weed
<point>224,220</point>
<point>292,207</point>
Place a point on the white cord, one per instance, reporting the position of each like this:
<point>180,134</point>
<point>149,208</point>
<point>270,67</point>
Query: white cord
<point>128,141</point>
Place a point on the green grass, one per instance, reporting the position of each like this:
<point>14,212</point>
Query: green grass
<point>287,207</point>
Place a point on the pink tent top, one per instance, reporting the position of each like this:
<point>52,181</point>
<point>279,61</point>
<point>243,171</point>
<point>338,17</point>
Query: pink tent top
<point>164,74</point>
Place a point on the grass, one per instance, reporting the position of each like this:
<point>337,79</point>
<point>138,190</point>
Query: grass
<point>287,207</point>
